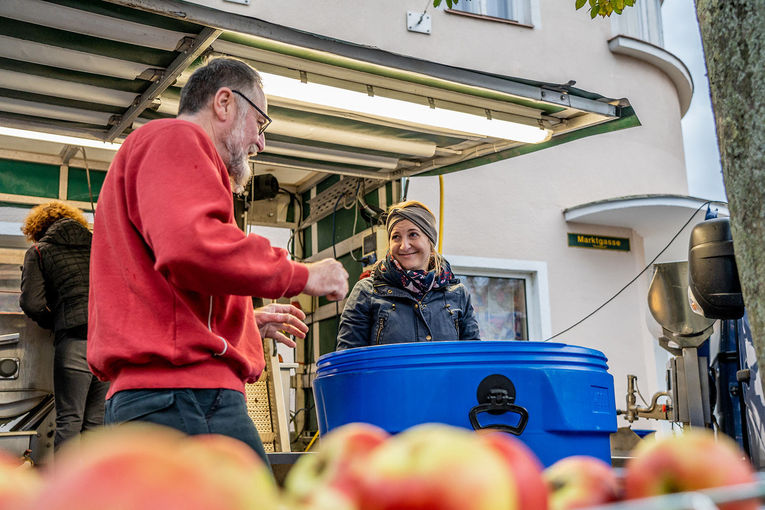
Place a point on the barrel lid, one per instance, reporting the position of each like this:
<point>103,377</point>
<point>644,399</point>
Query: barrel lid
<point>431,354</point>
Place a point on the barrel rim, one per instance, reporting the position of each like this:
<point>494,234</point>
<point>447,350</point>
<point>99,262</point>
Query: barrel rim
<point>430,352</point>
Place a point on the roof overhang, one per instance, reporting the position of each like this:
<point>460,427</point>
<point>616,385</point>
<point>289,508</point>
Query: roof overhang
<point>658,219</point>
<point>661,58</point>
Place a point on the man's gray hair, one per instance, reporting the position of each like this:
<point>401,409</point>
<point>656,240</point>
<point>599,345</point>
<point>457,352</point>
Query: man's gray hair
<point>217,73</point>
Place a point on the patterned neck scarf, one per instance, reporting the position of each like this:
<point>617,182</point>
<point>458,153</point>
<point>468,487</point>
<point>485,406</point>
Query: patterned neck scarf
<point>416,281</point>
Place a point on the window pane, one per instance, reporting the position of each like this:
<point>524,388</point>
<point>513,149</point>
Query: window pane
<point>10,287</point>
<point>499,9</point>
<point>643,21</point>
<point>473,6</point>
<point>496,8</point>
<point>500,306</point>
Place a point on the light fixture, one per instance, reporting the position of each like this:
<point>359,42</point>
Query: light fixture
<point>332,155</point>
<point>66,140</point>
<point>314,93</point>
<point>287,126</point>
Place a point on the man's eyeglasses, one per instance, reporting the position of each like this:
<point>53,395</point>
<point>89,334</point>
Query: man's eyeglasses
<point>267,120</point>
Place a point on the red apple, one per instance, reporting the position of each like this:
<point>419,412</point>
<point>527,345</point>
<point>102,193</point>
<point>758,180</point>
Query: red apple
<point>235,468</point>
<point>228,451</point>
<point>19,482</point>
<point>581,481</point>
<point>691,461</point>
<point>324,498</point>
<point>525,468</point>
<point>437,467</point>
<point>329,477</point>
<point>141,466</point>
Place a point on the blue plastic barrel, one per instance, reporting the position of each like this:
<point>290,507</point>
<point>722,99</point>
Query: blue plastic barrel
<point>557,398</point>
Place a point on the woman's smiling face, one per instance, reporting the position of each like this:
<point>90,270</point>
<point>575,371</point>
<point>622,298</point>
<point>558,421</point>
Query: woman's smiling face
<point>409,246</point>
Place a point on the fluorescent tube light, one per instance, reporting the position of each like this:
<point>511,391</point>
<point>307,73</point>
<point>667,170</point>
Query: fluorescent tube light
<point>332,155</point>
<point>323,133</point>
<point>315,93</point>
<point>67,140</point>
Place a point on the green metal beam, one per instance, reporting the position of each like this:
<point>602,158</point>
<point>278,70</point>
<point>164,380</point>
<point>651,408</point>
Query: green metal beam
<point>84,43</point>
<point>628,119</point>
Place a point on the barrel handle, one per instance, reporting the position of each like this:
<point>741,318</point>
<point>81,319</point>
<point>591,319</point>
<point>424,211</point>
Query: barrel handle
<point>496,395</point>
<point>500,408</point>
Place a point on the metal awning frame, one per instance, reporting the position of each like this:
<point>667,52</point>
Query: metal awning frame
<point>312,47</point>
<point>312,50</point>
<point>570,113</point>
<point>195,48</point>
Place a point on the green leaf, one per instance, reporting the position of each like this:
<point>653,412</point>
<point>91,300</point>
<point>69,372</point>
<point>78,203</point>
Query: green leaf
<point>603,8</point>
<point>436,3</point>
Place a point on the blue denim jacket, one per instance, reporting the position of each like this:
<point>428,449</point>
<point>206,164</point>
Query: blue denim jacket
<point>379,313</point>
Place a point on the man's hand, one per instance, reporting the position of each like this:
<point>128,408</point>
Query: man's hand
<point>327,278</point>
<point>278,320</point>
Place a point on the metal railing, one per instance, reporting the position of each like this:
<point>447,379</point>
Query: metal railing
<point>707,499</point>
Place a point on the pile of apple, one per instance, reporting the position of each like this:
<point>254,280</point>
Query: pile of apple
<point>436,467</point>
<point>358,467</point>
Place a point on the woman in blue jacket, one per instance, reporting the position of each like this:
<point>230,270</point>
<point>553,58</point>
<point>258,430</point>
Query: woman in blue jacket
<point>411,295</point>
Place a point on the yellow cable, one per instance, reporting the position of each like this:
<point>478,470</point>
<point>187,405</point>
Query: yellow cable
<point>440,212</point>
<point>312,441</point>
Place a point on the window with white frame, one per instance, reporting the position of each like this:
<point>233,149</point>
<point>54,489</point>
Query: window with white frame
<point>513,10</point>
<point>499,304</point>
<point>641,21</point>
<point>509,297</point>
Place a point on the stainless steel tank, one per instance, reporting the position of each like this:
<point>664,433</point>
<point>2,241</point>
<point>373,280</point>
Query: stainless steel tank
<point>26,364</point>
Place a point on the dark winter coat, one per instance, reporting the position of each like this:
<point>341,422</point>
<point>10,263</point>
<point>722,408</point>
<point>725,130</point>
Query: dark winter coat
<point>377,312</point>
<point>55,277</point>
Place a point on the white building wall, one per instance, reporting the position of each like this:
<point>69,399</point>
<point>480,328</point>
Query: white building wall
<point>513,209</point>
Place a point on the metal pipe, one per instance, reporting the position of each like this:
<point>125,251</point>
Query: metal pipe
<point>634,412</point>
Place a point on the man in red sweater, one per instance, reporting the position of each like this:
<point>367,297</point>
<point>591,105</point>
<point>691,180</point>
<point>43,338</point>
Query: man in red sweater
<point>171,323</point>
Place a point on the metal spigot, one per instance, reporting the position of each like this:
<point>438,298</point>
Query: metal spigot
<point>655,411</point>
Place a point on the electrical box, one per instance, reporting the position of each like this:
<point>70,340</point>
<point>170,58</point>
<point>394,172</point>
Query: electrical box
<point>373,247</point>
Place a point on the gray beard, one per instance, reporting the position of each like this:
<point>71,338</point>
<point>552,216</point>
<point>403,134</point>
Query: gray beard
<point>239,171</point>
<point>238,165</point>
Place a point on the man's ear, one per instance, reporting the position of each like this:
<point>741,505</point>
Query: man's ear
<point>222,104</point>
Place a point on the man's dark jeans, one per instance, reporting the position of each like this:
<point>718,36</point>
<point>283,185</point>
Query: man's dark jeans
<point>193,411</point>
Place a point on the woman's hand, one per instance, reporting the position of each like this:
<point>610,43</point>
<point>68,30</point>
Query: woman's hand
<point>279,320</point>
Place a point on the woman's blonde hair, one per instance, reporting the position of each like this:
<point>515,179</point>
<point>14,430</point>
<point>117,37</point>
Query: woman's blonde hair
<point>41,217</point>
<point>435,258</point>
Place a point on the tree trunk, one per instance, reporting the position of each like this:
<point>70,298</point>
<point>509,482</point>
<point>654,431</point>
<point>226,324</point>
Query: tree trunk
<point>733,35</point>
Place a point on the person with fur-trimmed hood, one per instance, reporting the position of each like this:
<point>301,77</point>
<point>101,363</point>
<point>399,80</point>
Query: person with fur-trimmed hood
<point>54,293</point>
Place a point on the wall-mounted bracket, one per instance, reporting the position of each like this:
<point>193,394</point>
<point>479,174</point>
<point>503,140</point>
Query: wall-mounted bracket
<point>418,22</point>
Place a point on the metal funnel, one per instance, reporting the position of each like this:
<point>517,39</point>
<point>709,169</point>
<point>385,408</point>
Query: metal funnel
<point>668,302</point>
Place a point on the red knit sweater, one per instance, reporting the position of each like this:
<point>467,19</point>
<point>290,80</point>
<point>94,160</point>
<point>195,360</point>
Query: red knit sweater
<point>171,275</point>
